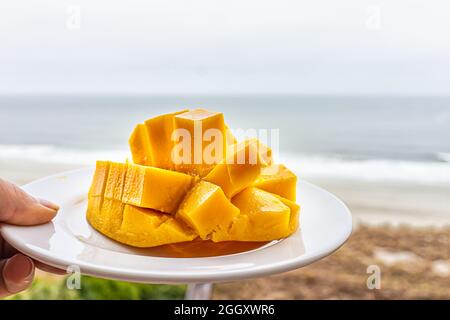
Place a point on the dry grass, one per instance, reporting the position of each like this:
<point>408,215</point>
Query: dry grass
<point>343,275</point>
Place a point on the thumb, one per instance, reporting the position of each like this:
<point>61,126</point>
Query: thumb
<point>16,274</point>
<point>18,207</point>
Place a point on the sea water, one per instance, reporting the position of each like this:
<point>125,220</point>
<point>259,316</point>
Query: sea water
<point>404,139</point>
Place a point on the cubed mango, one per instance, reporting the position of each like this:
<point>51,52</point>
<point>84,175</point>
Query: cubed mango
<point>240,168</point>
<point>207,140</point>
<point>140,146</point>
<point>263,217</point>
<point>155,188</point>
<point>279,180</point>
<point>206,209</point>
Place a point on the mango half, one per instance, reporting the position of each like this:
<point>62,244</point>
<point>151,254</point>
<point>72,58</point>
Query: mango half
<point>232,192</point>
<point>135,226</point>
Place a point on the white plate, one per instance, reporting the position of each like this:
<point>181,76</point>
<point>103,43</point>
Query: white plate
<point>69,240</point>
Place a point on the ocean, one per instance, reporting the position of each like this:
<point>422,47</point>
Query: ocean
<point>387,139</point>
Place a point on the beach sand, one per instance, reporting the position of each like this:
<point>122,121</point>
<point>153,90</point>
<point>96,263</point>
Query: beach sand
<point>402,229</point>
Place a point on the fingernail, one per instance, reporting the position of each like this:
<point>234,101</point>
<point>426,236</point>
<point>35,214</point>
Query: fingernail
<point>18,273</point>
<point>49,204</point>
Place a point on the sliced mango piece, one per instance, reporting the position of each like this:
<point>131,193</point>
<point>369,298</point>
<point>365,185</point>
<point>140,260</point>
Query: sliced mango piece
<point>149,228</point>
<point>231,139</point>
<point>96,192</point>
<point>279,180</point>
<point>155,188</point>
<point>110,216</point>
<point>263,217</point>
<point>116,181</point>
<point>160,131</point>
<point>206,209</point>
<point>240,169</point>
<point>99,180</point>
<point>295,213</point>
<point>93,213</point>
<point>207,147</point>
<point>140,146</point>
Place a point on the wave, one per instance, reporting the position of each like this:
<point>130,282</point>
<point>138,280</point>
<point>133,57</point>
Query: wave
<point>309,167</point>
<point>44,153</point>
<point>373,170</point>
<point>443,156</point>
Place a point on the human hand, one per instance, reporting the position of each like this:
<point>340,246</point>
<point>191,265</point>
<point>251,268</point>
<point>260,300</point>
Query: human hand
<point>19,208</point>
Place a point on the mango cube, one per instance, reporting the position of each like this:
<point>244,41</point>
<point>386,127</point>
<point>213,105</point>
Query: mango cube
<point>140,146</point>
<point>295,213</point>
<point>206,209</point>
<point>155,188</point>
<point>160,130</point>
<point>279,180</point>
<point>238,170</point>
<point>263,217</point>
<point>206,143</point>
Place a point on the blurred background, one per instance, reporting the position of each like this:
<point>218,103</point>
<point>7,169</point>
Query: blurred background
<point>358,89</point>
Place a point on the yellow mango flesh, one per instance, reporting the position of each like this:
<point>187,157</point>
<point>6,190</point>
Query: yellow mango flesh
<point>151,143</point>
<point>128,224</point>
<point>239,170</point>
<point>279,180</point>
<point>155,188</point>
<point>226,191</point>
<point>263,217</point>
<point>96,192</point>
<point>110,213</point>
<point>207,209</point>
<point>231,139</point>
<point>160,131</point>
<point>204,154</point>
<point>140,227</point>
<point>295,213</point>
<point>150,228</point>
<point>140,146</point>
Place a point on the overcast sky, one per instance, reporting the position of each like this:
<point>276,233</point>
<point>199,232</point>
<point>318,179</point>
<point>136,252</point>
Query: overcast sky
<point>225,47</point>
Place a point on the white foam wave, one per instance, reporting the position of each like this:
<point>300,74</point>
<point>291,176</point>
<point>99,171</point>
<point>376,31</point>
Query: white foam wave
<point>53,154</point>
<point>382,170</point>
<point>444,156</point>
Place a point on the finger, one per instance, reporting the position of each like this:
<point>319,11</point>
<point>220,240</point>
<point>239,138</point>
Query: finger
<point>18,207</point>
<point>50,269</point>
<point>6,250</point>
<point>16,274</point>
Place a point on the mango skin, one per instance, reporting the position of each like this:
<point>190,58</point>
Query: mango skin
<point>206,209</point>
<point>155,188</point>
<point>263,217</point>
<point>279,180</point>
